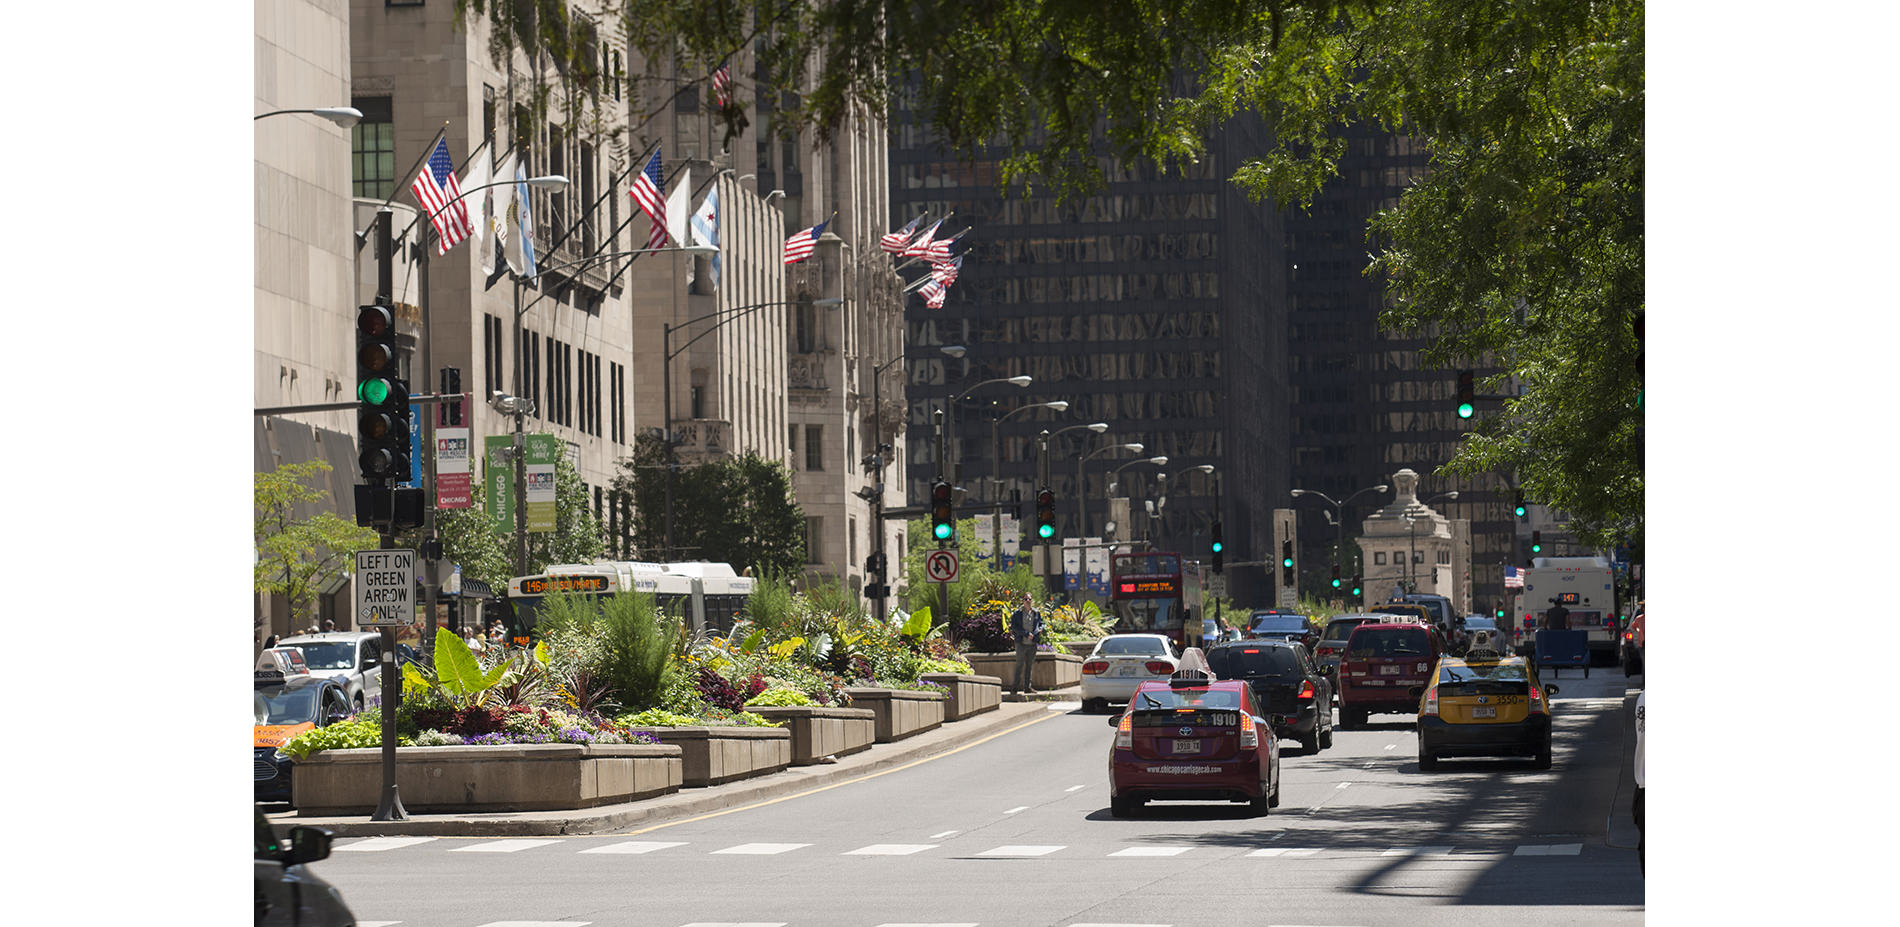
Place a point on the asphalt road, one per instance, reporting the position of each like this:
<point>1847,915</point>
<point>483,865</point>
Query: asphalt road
<point>1015,830</point>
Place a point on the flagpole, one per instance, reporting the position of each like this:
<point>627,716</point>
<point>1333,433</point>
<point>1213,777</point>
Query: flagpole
<point>612,189</point>
<point>362,237</point>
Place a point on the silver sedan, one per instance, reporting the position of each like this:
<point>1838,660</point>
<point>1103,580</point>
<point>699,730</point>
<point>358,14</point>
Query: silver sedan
<point>1120,662</point>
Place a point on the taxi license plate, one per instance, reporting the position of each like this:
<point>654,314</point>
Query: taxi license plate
<point>1389,670</point>
<point>1484,712</point>
<point>1124,671</point>
<point>1187,746</point>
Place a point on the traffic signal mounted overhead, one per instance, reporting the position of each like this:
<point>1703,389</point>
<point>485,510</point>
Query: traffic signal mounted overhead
<point>382,421</point>
<point>1045,514</point>
<point>1286,562</point>
<point>1467,394</point>
<point>1521,510</point>
<point>1219,548</point>
<point>1335,576</point>
<point>942,516</point>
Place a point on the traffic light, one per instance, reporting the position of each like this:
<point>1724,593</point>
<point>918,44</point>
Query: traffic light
<point>382,421</point>
<point>1335,577</point>
<point>942,517</point>
<point>1218,547</point>
<point>1467,394</point>
<point>1537,542</point>
<point>1500,614</point>
<point>1286,562</point>
<point>874,568</point>
<point>448,412</point>
<point>1045,514</point>
<point>1358,588</point>
<point>1520,510</point>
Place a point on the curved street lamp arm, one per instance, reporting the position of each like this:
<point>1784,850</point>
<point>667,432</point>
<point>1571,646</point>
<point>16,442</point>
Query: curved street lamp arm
<point>737,312</point>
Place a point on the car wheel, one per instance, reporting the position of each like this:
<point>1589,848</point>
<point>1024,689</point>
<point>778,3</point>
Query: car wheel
<point>1259,806</point>
<point>359,702</point>
<point>1326,737</point>
<point>1543,755</point>
<point>1310,743</point>
<point>1425,759</point>
<point>1123,807</point>
<point>1273,797</point>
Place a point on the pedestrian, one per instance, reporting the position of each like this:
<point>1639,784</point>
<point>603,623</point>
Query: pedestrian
<point>329,624</point>
<point>1026,628</point>
<point>1556,617</point>
<point>472,638</point>
<point>270,642</point>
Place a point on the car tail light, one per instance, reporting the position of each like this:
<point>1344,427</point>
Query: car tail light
<point>1431,702</point>
<point>1125,732</point>
<point>1537,699</point>
<point>1328,651</point>
<point>1094,667</point>
<point>1627,635</point>
<point>1159,668</point>
<point>1249,735</point>
<point>1306,689</point>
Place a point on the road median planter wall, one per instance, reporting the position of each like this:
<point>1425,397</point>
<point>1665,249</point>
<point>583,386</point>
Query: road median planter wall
<point>968,695</point>
<point>900,713</point>
<point>1079,648</point>
<point>523,777</point>
<point>818,731</point>
<point>1052,670</point>
<point>712,755</point>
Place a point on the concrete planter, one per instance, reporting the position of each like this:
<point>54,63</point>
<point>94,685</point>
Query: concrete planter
<point>522,777</point>
<point>712,755</point>
<point>1052,670</point>
<point>900,713</point>
<point>1080,648</point>
<point>969,695</point>
<point>818,732</point>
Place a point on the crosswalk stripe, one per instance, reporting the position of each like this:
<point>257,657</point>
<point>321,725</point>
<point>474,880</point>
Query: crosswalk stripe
<point>1418,851</point>
<point>735,924</point>
<point>377,923</point>
<point>927,925</point>
<point>1021,850</point>
<point>892,849</point>
<point>545,924</point>
<point>506,846</point>
<point>1286,851</point>
<point>1121,925</point>
<point>378,844</point>
<point>1558,849</point>
<point>762,849</point>
<point>1151,851</point>
<point>634,846</point>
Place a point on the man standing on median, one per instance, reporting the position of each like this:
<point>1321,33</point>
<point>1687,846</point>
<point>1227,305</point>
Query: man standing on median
<point>1025,627</point>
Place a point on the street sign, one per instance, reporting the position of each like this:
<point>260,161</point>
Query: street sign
<point>385,588</point>
<point>1289,597</point>
<point>1217,586</point>
<point>940,566</point>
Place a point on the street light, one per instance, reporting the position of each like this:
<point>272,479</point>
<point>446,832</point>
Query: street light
<point>1339,516</point>
<point>950,419</point>
<point>344,116</point>
<point>1160,461</point>
<point>1081,507</point>
<point>877,458</point>
<point>996,468</point>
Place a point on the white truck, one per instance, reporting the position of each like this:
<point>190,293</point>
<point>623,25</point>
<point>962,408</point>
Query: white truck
<point>1586,586</point>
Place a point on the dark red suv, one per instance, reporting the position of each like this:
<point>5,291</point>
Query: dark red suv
<point>1381,665</point>
<point>1193,738</point>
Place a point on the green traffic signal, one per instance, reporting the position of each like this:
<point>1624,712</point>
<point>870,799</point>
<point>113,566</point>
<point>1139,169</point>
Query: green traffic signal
<point>375,392</point>
<point>1335,584</point>
<point>1046,531</point>
<point>943,532</point>
<point>1286,562</point>
<point>1465,410</point>
<point>1217,547</point>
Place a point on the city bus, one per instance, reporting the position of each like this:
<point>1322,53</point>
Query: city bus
<point>710,596</point>
<point>1151,592</point>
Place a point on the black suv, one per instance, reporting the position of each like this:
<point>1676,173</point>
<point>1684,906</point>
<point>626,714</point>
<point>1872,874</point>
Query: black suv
<point>1296,693</point>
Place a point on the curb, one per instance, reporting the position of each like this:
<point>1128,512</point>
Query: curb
<point>686,803</point>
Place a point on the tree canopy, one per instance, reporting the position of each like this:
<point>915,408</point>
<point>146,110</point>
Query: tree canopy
<point>298,554</point>
<point>735,510</point>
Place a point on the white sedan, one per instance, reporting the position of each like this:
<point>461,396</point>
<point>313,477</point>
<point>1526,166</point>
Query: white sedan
<point>1120,662</point>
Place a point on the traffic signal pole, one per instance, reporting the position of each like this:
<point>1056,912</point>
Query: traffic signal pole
<point>389,804</point>
<point>943,589</point>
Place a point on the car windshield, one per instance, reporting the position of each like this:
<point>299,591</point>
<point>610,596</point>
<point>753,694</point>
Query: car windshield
<point>283,705</point>
<point>1188,698</point>
<point>1340,630</point>
<point>1388,642</point>
<point>1480,624</point>
<point>328,655</point>
<point>1485,672</point>
<point>1132,647</point>
<point>1235,662</point>
<point>1279,623</point>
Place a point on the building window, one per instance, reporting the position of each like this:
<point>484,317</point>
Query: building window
<point>814,533</point>
<point>806,330</point>
<point>373,149</point>
<point>1378,558</point>
<point>814,447</point>
<point>1418,556</point>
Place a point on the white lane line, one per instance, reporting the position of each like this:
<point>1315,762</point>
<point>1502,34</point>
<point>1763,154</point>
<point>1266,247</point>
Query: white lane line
<point>927,925</point>
<point>377,923</point>
<point>735,924</point>
<point>1121,925</point>
<point>1391,746</point>
<point>545,924</point>
<point>1074,787</point>
<point>378,844</point>
<point>892,849</point>
<point>635,846</point>
<point>1151,851</point>
<point>1071,706</point>
<point>1559,849</point>
<point>1418,851</point>
<point>1022,850</point>
<point>1342,785</point>
<point>942,835</point>
<point>504,846</point>
<point>1016,809</point>
<point>762,849</point>
<point>1289,852</point>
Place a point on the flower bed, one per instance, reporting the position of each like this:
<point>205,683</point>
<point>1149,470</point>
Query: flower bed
<point>818,731</point>
<point>1051,671</point>
<point>900,713</point>
<point>966,694</point>
<point>523,777</point>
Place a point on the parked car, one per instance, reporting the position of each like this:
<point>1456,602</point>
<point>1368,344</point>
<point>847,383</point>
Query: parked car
<point>1284,627</point>
<point>1636,806</point>
<point>1193,738</point>
<point>1382,663</point>
<point>1295,693</point>
<point>288,893</point>
<point>1121,662</point>
<point>356,656</point>
<point>1484,707</point>
<point>1632,646</point>
<point>1439,614</point>
<point>285,706</point>
<point>1332,641</point>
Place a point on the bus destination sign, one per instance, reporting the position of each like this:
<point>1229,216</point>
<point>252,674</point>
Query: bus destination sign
<point>1149,587</point>
<point>542,585</point>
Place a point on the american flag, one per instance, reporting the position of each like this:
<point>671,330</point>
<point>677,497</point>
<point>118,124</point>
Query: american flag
<point>946,271</point>
<point>646,192</point>
<point>921,246</point>
<point>438,191</point>
<point>933,292</point>
<point>940,250</point>
<point>799,246</point>
<point>894,242</point>
<point>722,86</point>
<point>1512,578</point>
<point>936,301</point>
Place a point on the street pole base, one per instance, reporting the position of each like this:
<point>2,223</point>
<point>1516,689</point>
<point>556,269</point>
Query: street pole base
<point>390,807</point>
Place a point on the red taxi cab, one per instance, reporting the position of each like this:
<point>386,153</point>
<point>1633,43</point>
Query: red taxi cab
<point>1382,665</point>
<point>1193,738</point>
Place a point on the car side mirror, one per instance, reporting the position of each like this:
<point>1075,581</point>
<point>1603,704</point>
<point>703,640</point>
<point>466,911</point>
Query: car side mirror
<point>1550,690</point>
<point>307,845</point>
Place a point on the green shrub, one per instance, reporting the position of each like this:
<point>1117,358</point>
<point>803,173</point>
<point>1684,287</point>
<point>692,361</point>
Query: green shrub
<point>658,717</point>
<point>638,645</point>
<point>779,698</point>
<point>363,730</point>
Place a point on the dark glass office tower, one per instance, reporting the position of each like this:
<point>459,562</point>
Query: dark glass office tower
<point>1156,305</point>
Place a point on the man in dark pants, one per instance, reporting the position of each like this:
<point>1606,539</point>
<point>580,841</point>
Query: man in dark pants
<point>1025,628</point>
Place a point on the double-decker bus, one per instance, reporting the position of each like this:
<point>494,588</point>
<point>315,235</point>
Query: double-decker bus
<point>1151,593</point>
<point>709,596</point>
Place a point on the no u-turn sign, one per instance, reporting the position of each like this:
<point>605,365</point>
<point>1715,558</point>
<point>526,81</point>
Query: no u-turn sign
<point>385,588</point>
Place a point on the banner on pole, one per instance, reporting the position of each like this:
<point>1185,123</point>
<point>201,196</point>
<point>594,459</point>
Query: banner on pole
<point>454,488</point>
<point>499,479</point>
<point>542,451</point>
<point>1071,563</point>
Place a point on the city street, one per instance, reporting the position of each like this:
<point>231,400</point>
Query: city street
<point>1015,830</point>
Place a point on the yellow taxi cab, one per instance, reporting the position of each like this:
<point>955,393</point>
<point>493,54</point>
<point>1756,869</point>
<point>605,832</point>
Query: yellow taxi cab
<point>1484,704</point>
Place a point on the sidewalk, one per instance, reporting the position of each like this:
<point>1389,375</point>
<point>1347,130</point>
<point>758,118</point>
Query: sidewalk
<point>688,802</point>
<point>1621,832</point>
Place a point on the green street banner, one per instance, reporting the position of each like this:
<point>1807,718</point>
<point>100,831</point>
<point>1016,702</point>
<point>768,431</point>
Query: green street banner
<point>499,477</point>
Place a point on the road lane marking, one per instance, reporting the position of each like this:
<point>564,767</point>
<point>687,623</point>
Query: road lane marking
<point>1151,851</point>
<point>762,849</point>
<point>1074,787</point>
<point>378,844</point>
<point>1064,706</point>
<point>377,923</point>
<point>503,846</point>
<point>635,846</point>
<point>1418,851</point>
<point>1286,851</point>
<point>546,924</point>
<point>1342,785</point>
<point>927,925</point>
<point>735,924</point>
<point>1021,850</point>
<point>1016,809</point>
<point>1121,925</point>
<point>942,835</point>
<point>1559,849</point>
<point>1391,746</point>
<point>892,849</point>
<point>826,788</point>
